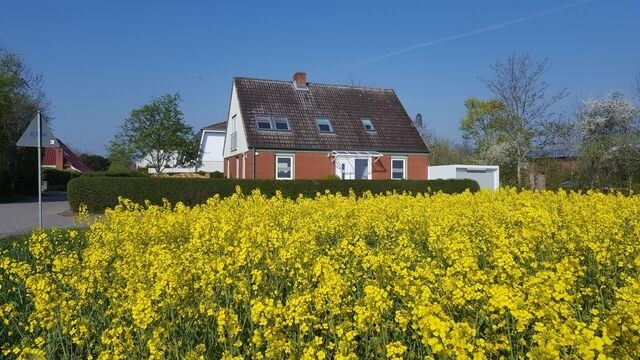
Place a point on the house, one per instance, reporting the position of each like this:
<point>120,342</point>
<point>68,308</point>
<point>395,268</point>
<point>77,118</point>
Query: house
<point>551,166</point>
<point>62,158</point>
<point>300,130</point>
<point>211,147</point>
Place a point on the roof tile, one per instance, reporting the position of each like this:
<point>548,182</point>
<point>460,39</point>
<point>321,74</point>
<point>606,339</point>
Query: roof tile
<point>344,105</point>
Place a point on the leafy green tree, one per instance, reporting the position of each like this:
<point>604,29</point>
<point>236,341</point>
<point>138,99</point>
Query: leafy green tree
<point>156,134</point>
<point>21,95</point>
<point>527,124</point>
<point>482,129</point>
<point>95,162</point>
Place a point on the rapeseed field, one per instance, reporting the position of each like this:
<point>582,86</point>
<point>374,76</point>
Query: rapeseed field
<point>503,274</point>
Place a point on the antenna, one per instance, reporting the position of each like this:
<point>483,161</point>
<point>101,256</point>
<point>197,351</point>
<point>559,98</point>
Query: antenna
<point>418,120</point>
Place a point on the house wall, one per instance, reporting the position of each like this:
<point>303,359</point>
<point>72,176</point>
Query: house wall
<point>212,146</point>
<point>315,165</point>
<point>550,172</point>
<point>235,125</point>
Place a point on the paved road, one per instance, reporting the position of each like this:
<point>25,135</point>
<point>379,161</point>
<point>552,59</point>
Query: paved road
<point>22,216</point>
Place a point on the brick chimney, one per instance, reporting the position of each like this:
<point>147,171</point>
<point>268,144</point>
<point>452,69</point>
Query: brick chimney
<point>300,81</point>
<point>59,158</point>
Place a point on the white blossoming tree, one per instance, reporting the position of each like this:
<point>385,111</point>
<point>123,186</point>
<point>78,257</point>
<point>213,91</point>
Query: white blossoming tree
<point>609,135</point>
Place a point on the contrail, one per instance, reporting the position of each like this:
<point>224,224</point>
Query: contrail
<point>473,32</point>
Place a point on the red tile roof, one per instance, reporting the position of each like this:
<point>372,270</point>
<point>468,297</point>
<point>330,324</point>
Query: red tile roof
<point>70,159</point>
<point>344,105</point>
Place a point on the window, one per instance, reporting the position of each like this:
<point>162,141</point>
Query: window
<point>284,167</point>
<point>277,123</point>
<point>263,122</point>
<point>324,124</point>
<point>398,169</point>
<point>233,142</point>
<point>367,124</point>
<point>281,123</point>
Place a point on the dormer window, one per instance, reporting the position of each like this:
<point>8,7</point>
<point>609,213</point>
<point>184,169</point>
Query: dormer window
<point>324,125</point>
<point>367,124</point>
<point>272,123</point>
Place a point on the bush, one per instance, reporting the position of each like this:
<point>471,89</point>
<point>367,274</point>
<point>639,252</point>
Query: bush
<point>5,183</point>
<point>57,179</point>
<point>99,193</point>
<point>123,173</point>
<point>20,174</point>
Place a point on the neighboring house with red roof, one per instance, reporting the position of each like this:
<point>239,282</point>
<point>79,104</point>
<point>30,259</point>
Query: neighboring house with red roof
<point>62,158</point>
<point>299,130</point>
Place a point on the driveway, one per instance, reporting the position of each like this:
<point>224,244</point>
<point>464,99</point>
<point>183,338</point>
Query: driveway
<point>20,217</point>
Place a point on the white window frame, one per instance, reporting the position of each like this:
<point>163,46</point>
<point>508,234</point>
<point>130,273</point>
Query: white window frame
<point>404,168</point>
<point>368,122</point>
<point>292,161</point>
<point>263,119</point>
<point>233,141</point>
<point>328,122</point>
<point>280,119</point>
<point>272,120</point>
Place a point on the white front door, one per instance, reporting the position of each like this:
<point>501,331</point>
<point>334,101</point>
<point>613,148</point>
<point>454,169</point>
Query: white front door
<point>349,168</point>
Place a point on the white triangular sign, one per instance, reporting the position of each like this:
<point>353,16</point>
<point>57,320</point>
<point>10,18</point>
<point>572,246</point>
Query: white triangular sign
<point>30,136</point>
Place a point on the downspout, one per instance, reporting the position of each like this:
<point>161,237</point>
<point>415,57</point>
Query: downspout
<point>254,163</point>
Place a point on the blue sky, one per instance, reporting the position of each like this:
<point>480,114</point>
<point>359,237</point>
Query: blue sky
<point>101,59</point>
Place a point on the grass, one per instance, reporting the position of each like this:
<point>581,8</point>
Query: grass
<point>7,242</point>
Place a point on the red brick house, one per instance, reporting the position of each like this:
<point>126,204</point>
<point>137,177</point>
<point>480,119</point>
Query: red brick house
<point>62,158</point>
<point>298,130</point>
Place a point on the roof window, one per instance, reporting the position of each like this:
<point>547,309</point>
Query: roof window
<point>367,124</point>
<point>324,125</point>
<point>272,123</point>
<point>281,123</point>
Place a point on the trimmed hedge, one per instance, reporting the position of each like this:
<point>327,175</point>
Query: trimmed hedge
<point>110,173</point>
<point>58,179</point>
<point>99,193</point>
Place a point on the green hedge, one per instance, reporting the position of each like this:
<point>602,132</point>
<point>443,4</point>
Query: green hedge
<point>99,193</point>
<point>110,173</point>
<point>57,179</point>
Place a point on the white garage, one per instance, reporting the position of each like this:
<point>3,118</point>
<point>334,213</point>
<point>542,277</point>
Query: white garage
<point>487,176</point>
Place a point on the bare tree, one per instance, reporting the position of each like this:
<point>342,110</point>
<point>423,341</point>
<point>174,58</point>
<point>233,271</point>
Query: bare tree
<point>519,85</point>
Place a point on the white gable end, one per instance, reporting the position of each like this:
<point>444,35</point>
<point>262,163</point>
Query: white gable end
<point>236,139</point>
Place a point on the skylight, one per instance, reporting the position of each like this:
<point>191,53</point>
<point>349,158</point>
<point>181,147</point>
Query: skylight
<point>263,122</point>
<point>367,124</point>
<point>272,123</point>
<point>324,125</point>
<point>281,123</point>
